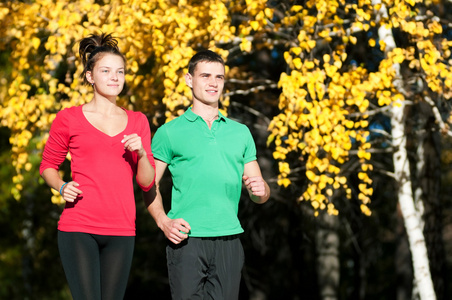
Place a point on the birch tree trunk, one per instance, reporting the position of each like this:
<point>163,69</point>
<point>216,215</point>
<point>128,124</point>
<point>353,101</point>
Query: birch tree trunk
<point>328,266</point>
<point>403,177</point>
<point>410,215</point>
<point>427,195</point>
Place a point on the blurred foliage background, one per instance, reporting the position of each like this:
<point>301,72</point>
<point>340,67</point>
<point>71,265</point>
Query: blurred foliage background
<point>314,81</point>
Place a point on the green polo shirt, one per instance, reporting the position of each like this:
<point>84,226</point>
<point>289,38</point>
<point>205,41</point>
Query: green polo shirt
<point>206,167</point>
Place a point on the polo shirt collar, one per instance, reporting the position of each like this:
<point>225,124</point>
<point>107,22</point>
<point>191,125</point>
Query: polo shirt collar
<point>191,116</point>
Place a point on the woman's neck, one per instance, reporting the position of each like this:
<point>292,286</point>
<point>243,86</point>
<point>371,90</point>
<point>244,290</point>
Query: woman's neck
<point>102,104</point>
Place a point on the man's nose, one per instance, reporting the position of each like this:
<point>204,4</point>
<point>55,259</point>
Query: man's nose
<point>213,81</point>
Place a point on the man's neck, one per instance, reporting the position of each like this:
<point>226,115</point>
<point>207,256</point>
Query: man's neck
<point>206,112</point>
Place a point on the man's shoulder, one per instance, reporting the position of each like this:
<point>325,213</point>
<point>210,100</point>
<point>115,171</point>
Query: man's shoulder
<point>172,127</point>
<point>236,124</point>
<point>174,123</point>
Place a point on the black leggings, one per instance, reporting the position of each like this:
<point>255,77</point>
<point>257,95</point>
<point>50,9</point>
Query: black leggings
<point>96,266</point>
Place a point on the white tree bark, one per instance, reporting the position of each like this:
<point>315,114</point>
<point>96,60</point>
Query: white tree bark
<point>328,263</point>
<point>410,215</point>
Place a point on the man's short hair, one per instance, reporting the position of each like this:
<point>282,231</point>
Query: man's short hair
<point>203,56</point>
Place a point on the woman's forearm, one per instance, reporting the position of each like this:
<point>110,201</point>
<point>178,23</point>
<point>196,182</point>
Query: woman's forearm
<point>52,178</point>
<point>145,171</point>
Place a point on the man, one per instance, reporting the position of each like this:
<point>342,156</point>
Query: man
<point>208,156</point>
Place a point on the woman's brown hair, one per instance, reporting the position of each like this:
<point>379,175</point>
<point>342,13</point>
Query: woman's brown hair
<point>92,49</point>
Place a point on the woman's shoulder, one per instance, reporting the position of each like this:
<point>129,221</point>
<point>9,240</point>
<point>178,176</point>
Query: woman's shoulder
<point>69,112</point>
<point>137,119</point>
<point>136,115</point>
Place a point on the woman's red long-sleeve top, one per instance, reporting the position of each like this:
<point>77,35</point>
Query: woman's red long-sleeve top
<point>102,167</point>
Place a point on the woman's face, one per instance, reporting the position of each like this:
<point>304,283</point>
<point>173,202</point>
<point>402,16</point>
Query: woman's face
<point>108,75</point>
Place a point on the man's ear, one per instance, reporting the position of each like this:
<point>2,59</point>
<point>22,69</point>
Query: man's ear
<point>188,80</point>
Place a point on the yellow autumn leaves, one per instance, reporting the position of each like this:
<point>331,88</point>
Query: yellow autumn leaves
<point>157,38</point>
<point>324,102</point>
<point>316,100</point>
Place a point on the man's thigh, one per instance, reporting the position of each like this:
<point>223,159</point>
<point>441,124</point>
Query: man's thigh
<point>187,267</point>
<point>225,271</point>
<point>205,268</point>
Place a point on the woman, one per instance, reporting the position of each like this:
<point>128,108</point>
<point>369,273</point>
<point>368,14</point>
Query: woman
<point>108,146</point>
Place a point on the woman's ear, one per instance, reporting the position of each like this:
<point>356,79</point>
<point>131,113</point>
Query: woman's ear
<point>89,77</point>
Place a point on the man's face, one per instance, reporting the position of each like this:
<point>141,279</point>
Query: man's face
<point>207,82</point>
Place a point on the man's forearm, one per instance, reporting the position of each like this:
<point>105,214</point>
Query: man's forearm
<point>154,205</point>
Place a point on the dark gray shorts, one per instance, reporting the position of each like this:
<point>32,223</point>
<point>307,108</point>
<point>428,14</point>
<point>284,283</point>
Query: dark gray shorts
<point>205,268</point>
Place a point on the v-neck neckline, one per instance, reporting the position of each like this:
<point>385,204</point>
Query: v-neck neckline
<point>100,131</point>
